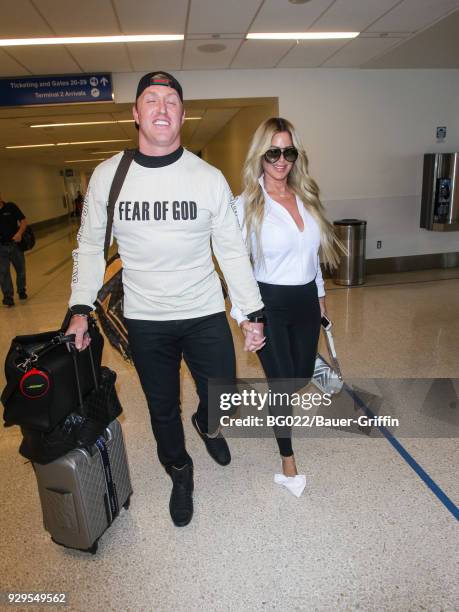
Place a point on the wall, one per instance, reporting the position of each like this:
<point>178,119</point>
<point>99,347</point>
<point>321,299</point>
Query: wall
<point>229,148</point>
<point>365,132</point>
<point>36,189</point>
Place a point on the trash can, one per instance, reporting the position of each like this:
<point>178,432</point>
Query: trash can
<point>351,269</point>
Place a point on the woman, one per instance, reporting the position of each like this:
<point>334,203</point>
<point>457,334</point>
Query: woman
<point>284,226</point>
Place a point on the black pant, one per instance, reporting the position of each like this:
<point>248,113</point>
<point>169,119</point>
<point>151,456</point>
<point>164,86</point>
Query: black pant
<point>157,348</point>
<point>292,333</point>
<point>11,253</point>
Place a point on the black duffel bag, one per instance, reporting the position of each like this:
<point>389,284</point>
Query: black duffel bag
<point>46,376</point>
<point>97,410</point>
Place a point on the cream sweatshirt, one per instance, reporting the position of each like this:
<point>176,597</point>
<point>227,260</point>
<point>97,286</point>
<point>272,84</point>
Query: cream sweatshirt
<point>166,220</point>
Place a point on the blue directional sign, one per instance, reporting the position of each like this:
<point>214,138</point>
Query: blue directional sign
<point>65,89</point>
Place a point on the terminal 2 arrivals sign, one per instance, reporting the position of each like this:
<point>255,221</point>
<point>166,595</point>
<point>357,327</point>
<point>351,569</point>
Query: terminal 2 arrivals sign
<point>63,89</point>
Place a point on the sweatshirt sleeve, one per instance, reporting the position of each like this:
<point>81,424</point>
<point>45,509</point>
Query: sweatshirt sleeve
<point>88,258</point>
<point>238,207</point>
<point>231,253</point>
<point>319,280</point>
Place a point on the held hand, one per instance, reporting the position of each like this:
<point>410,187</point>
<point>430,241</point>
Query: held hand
<point>254,337</point>
<point>79,326</point>
<point>17,237</point>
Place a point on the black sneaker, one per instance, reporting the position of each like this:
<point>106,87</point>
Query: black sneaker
<point>215,444</point>
<point>8,302</point>
<point>181,502</point>
<point>23,295</point>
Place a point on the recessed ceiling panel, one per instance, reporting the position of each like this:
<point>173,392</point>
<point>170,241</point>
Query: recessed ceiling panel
<point>201,60</point>
<point>47,60</point>
<point>82,18</point>
<point>413,15</point>
<point>156,55</point>
<point>436,47</point>
<point>20,20</point>
<point>310,53</point>
<point>261,53</point>
<point>152,16</point>
<point>352,15</point>
<point>282,16</point>
<point>359,51</point>
<point>102,58</point>
<point>211,17</point>
<point>9,67</point>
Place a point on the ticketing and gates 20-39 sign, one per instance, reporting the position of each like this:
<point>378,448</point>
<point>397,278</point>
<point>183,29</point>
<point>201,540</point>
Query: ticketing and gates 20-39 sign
<point>27,91</point>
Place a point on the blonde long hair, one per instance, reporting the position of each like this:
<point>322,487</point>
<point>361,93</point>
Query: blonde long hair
<point>299,181</point>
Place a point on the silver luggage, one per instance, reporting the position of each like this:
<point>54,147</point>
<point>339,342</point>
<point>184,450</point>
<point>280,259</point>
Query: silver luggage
<point>82,492</point>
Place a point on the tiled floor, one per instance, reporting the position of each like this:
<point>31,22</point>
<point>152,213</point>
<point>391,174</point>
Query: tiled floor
<point>367,534</point>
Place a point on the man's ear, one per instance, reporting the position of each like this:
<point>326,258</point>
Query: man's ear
<point>135,114</point>
<point>183,117</point>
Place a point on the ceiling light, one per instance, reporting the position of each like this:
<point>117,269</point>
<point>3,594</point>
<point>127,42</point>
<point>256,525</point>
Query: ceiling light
<point>75,161</point>
<point>48,125</point>
<point>301,35</point>
<point>30,146</point>
<point>298,1</point>
<point>80,40</point>
<point>63,144</point>
<point>45,125</point>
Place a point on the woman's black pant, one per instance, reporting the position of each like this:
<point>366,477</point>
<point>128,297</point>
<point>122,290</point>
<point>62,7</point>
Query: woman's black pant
<point>206,345</point>
<point>292,333</point>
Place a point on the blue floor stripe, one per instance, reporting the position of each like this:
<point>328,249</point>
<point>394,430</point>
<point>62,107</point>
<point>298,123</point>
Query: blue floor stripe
<point>436,490</point>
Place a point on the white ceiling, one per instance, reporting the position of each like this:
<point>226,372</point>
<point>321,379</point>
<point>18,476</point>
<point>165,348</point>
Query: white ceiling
<point>394,34</point>
<point>388,28</point>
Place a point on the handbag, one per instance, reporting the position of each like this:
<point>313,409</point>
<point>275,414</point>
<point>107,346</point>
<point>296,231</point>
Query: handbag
<point>28,239</point>
<point>328,378</point>
<point>79,429</point>
<point>109,301</point>
<point>46,376</point>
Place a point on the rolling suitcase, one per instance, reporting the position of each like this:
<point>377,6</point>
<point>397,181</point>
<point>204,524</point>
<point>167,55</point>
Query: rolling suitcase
<point>82,492</point>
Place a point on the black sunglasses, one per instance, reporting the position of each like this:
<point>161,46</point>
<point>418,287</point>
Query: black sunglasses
<point>273,154</point>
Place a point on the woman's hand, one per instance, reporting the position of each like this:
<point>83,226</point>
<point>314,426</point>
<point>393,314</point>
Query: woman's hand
<point>254,337</point>
<point>323,307</point>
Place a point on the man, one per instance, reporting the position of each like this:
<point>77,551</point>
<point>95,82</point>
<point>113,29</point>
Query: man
<point>12,226</point>
<point>170,208</point>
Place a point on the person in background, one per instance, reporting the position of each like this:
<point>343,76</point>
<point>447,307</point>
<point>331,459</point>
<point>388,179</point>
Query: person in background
<point>79,200</point>
<point>12,226</point>
<point>285,227</point>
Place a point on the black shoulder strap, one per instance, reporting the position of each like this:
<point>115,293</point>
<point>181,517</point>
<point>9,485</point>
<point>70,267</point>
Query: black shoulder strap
<point>115,189</point>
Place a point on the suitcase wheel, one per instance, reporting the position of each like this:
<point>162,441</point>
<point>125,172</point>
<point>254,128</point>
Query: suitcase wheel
<point>93,548</point>
<point>127,503</point>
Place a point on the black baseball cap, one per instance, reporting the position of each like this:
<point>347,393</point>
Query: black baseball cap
<point>159,77</point>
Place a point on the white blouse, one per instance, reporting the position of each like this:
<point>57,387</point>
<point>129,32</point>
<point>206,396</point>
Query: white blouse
<point>291,257</point>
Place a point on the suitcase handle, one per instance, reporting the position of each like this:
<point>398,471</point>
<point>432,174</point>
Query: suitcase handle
<point>73,351</point>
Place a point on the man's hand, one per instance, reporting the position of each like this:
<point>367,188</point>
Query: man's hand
<point>254,337</point>
<point>21,229</point>
<point>79,326</point>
